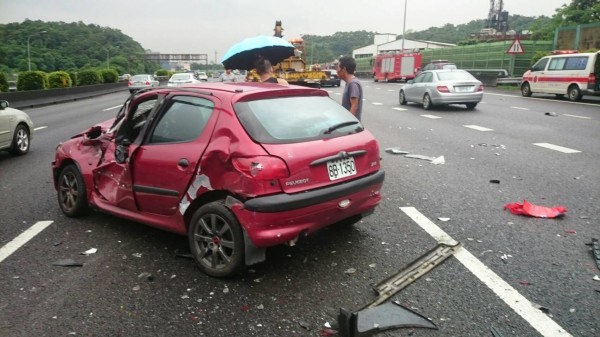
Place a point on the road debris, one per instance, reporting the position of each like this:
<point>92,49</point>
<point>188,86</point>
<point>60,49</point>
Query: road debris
<point>147,276</point>
<point>89,252</point>
<point>444,219</point>
<point>551,114</point>
<point>595,244</point>
<point>67,263</point>
<point>495,181</point>
<point>395,150</point>
<point>434,160</point>
<point>380,315</point>
<point>534,210</point>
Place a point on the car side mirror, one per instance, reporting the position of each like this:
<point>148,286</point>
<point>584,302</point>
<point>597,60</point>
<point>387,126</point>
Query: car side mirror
<point>122,151</point>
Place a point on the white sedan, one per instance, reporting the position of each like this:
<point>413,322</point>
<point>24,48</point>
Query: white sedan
<point>15,130</point>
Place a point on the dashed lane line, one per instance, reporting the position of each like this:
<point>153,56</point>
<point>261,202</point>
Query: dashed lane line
<point>556,148</point>
<point>521,305</point>
<point>40,128</point>
<point>519,108</point>
<point>112,108</point>
<point>23,238</point>
<point>575,116</point>
<point>377,103</point>
<point>478,128</point>
<point>431,116</point>
<point>400,109</point>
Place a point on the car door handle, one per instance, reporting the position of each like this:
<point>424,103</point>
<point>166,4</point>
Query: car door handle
<point>183,162</point>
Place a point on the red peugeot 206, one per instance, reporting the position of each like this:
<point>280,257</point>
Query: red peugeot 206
<point>236,167</point>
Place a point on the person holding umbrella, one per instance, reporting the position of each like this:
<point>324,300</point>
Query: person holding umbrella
<point>265,72</point>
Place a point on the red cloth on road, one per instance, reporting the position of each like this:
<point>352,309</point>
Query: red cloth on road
<point>536,211</point>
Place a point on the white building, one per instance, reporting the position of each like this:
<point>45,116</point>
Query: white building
<point>384,43</point>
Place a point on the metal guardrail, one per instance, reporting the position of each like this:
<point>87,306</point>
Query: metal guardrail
<point>509,81</point>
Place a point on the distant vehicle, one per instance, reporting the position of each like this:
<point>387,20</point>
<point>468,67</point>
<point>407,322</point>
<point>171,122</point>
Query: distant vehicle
<point>138,82</point>
<point>182,79</point>
<point>12,86</point>
<point>15,130</point>
<point>439,64</point>
<point>443,86</point>
<point>396,67</point>
<point>125,77</point>
<point>566,72</point>
<point>236,168</point>
<point>333,79</point>
<point>201,75</point>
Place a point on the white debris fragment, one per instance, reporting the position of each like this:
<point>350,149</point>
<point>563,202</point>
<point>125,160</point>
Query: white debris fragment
<point>173,276</point>
<point>184,297</point>
<point>596,278</point>
<point>136,288</point>
<point>136,254</point>
<point>444,219</point>
<point>372,265</point>
<point>327,325</point>
<point>350,271</point>
<point>225,290</point>
<point>89,251</point>
<point>439,161</point>
<point>260,307</point>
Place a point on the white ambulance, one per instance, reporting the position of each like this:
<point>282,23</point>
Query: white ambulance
<point>565,72</point>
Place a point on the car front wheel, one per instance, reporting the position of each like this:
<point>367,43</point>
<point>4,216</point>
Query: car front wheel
<point>427,105</point>
<point>216,240</point>
<point>72,194</point>
<point>20,141</point>
<point>402,98</point>
<point>526,90</point>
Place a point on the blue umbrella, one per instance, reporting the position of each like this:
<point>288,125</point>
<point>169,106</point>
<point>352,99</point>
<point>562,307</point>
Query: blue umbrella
<point>244,54</point>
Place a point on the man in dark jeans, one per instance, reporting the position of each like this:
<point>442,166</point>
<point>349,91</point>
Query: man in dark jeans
<point>353,93</point>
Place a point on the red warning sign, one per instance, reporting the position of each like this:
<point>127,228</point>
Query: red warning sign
<point>515,48</point>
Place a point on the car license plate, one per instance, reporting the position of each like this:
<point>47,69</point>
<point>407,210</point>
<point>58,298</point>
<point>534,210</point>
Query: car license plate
<point>341,168</point>
<point>467,88</point>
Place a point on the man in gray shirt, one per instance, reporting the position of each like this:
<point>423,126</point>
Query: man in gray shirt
<point>353,93</point>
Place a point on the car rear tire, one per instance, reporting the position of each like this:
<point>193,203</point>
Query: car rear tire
<point>427,105</point>
<point>216,240</point>
<point>574,93</point>
<point>402,98</point>
<point>525,90</point>
<point>20,143</point>
<point>471,106</point>
<point>72,193</point>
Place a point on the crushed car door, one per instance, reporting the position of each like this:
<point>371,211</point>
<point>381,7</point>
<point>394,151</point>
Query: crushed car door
<point>112,177</point>
<point>166,162</point>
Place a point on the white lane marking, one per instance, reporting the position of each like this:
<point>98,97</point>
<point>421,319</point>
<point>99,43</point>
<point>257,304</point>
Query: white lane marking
<point>400,109</point>
<point>377,103</point>
<point>392,90</point>
<point>23,238</point>
<point>112,108</point>
<point>40,128</point>
<point>431,116</point>
<point>518,108</point>
<point>521,305</point>
<point>556,148</point>
<point>338,93</point>
<point>477,127</point>
<point>575,116</point>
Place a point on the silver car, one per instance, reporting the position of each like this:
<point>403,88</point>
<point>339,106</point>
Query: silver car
<point>182,79</point>
<point>443,86</point>
<point>142,81</point>
<point>15,130</point>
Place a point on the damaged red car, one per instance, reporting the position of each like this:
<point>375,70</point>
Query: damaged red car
<point>236,167</point>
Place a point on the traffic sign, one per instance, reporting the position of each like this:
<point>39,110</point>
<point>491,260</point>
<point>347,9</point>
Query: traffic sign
<point>515,48</point>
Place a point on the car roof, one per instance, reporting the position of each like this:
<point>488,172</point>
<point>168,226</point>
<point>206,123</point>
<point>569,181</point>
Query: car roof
<point>240,91</point>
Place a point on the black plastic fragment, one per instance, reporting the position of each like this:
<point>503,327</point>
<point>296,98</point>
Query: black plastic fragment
<point>596,251</point>
<point>67,263</point>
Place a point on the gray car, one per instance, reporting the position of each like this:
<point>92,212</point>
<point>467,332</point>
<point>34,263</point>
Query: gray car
<point>15,130</point>
<point>441,87</point>
<point>142,81</point>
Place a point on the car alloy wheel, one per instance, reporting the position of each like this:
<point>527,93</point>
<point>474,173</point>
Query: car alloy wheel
<point>20,140</point>
<point>72,195</point>
<point>216,240</point>
<point>427,102</point>
<point>402,98</point>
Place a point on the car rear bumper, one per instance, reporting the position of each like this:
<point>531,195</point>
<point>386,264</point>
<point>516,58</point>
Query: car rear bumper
<point>458,98</point>
<point>274,220</point>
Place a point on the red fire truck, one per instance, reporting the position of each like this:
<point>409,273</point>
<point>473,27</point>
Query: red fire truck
<point>394,67</point>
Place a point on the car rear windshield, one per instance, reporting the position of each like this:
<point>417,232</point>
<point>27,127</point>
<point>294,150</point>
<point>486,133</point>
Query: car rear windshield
<point>295,119</point>
<point>181,77</point>
<point>455,75</point>
<point>139,78</point>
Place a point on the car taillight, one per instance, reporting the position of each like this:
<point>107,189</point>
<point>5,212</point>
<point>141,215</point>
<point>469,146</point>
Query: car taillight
<point>480,88</point>
<point>262,167</point>
<point>443,88</point>
<point>592,79</point>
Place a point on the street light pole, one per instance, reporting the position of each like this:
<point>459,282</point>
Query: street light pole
<point>404,26</point>
<point>28,51</point>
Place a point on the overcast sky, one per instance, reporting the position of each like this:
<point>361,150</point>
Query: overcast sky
<point>211,27</point>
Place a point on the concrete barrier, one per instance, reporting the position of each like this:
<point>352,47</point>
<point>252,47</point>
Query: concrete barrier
<point>32,98</point>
